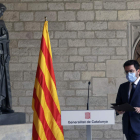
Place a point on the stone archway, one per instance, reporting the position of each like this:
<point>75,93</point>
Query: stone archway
<point>136,52</point>
<point>134,40</point>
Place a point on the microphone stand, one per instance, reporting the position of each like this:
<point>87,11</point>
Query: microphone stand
<point>88,96</point>
<point>89,133</point>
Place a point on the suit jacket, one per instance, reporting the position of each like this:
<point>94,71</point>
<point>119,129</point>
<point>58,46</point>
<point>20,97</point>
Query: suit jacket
<point>129,117</point>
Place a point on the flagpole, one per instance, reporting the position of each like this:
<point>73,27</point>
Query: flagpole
<point>45,18</point>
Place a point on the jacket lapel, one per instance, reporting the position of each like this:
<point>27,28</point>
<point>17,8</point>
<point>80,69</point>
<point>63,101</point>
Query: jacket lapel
<point>127,91</point>
<point>137,91</point>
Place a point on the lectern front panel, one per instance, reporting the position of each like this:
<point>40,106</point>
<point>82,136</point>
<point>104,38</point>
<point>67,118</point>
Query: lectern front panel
<point>88,117</point>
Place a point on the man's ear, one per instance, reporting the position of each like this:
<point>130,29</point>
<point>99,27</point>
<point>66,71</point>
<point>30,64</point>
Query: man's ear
<point>138,72</point>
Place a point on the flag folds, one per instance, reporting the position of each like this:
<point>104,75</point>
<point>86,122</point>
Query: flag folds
<point>45,103</point>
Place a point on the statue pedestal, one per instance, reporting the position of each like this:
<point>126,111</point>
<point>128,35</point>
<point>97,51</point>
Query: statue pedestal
<point>12,118</point>
<point>16,132</point>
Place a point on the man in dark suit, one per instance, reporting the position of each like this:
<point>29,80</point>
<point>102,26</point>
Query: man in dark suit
<point>129,92</point>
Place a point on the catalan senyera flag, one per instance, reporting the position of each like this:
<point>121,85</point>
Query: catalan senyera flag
<point>45,103</point>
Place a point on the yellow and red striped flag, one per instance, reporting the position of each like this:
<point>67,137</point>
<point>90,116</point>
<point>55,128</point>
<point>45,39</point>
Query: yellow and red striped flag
<point>45,103</point>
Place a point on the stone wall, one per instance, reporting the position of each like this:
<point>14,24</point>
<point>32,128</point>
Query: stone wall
<point>89,42</point>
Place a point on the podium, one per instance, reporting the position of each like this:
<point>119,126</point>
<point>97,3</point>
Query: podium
<point>88,118</point>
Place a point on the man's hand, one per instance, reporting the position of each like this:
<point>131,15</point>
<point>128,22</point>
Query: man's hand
<point>120,112</point>
<point>137,109</point>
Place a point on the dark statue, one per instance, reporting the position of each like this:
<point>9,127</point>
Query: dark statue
<point>5,88</point>
<point>2,9</point>
<point>7,115</point>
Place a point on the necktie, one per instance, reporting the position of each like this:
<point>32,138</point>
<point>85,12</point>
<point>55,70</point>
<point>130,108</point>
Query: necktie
<point>132,92</point>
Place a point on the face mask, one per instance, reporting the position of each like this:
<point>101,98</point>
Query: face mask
<point>131,77</point>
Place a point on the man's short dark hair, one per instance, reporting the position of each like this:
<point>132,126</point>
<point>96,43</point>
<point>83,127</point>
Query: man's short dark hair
<point>132,62</point>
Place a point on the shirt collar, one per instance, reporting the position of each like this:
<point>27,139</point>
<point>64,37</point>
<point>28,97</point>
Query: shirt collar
<point>136,82</point>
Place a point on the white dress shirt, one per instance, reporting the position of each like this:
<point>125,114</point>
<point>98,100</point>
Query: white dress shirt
<point>130,86</point>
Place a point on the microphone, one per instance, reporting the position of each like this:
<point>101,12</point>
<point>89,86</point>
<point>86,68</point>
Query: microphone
<point>88,96</point>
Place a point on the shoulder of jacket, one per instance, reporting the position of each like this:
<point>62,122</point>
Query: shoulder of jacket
<point>126,83</point>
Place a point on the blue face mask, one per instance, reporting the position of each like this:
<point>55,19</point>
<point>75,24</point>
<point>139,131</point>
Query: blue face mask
<point>131,77</point>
